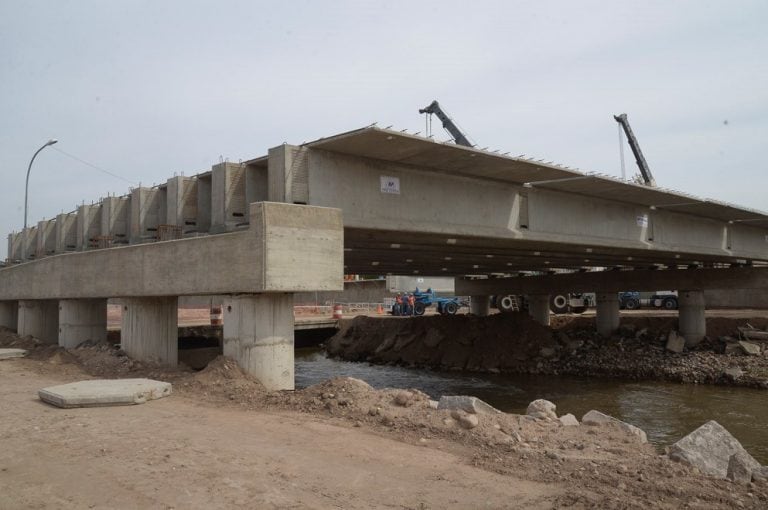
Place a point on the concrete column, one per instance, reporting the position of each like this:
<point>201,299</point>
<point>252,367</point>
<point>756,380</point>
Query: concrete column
<point>607,313</point>
<point>9,314</point>
<point>39,318</point>
<point>480,305</point>
<point>150,329</point>
<point>81,320</point>
<point>538,308</point>
<point>691,320</point>
<point>258,333</point>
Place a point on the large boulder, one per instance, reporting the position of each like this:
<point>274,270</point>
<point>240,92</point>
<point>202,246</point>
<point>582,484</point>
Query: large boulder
<point>597,418</point>
<point>542,409</point>
<point>749,348</point>
<point>675,343</point>
<point>568,420</point>
<point>467,404</point>
<point>709,448</point>
<point>760,475</point>
<point>739,470</point>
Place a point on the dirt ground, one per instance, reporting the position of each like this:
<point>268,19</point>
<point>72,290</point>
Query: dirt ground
<point>222,441</point>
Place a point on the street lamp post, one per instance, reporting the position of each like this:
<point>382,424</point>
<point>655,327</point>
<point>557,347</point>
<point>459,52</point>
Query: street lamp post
<point>26,193</point>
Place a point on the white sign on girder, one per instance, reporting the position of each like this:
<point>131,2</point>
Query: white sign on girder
<point>390,185</point>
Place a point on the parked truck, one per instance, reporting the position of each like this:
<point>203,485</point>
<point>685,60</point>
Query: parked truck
<point>633,300</point>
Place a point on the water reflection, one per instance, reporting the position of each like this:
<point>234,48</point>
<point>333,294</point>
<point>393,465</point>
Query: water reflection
<point>665,411</point>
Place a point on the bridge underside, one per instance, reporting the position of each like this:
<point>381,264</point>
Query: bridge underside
<point>403,253</point>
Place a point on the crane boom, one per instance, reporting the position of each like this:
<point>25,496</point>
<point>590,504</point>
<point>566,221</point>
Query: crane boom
<point>448,124</point>
<point>639,159</point>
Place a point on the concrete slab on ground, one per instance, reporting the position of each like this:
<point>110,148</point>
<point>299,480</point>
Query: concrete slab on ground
<point>12,353</point>
<point>105,392</point>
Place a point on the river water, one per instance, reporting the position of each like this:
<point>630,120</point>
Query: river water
<point>665,411</point>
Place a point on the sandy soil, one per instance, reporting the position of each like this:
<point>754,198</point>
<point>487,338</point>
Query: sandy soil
<point>222,441</point>
<point>180,453</point>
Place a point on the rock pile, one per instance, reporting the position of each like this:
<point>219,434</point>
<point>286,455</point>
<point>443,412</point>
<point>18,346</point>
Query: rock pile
<point>643,348</point>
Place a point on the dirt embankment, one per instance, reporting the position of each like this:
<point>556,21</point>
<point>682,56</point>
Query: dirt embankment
<point>517,344</point>
<point>582,466</point>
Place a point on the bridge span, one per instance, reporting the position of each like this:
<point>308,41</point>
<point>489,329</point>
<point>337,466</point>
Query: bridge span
<point>370,201</point>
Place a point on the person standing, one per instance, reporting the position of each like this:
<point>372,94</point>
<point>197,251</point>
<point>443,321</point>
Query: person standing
<point>411,304</point>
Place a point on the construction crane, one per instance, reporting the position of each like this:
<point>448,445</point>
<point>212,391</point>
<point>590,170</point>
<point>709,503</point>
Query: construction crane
<point>639,159</point>
<point>448,124</point>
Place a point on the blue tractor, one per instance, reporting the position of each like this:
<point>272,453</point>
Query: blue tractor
<point>425,299</point>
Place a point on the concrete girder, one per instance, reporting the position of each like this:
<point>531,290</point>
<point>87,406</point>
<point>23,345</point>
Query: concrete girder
<point>617,281</point>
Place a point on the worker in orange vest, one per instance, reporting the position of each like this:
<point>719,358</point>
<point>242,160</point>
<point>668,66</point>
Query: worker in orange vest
<point>411,302</point>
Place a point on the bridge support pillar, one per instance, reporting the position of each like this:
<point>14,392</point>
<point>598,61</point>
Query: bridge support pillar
<point>480,305</point>
<point>81,320</point>
<point>39,318</point>
<point>258,334</point>
<point>9,314</point>
<point>150,329</point>
<point>538,308</point>
<point>691,320</point>
<point>607,313</point>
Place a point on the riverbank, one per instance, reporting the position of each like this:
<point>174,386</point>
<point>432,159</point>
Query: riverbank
<point>514,343</point>
<point>222,440</point>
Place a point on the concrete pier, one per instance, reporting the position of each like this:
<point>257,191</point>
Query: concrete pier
<point>258,333</point>
<point>81,320</point>
<point>480,305</point>
<point>538,308</point>
<point>607,313</point>
<point>150,329</point>
<point>692,323</point>
<point>39,318</point>
<point>9,314</point>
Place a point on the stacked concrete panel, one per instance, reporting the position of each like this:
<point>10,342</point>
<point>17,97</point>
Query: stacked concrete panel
<point>115,218</point>
<point>88,227</point>
<point>204,190</point>
<point>228,204</point>
<point>15,242</point>
<point>181,200</point>
<point>147,209</point>
<point>29,243</point>
<point>46,238</point>
<point>66,232</point>
<point>256,184</point>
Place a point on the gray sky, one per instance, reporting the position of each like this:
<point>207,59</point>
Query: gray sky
<point>144,89</point>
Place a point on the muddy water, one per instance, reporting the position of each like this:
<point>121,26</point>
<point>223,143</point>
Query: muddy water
<point>665,411</point>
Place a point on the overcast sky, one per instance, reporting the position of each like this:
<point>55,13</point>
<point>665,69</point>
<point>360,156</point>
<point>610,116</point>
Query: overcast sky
<point>144,89</point>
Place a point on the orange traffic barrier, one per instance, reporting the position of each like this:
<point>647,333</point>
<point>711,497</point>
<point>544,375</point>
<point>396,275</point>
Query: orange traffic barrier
<point>337,313</point>
<point>217,317</point>
<point>380,309</point>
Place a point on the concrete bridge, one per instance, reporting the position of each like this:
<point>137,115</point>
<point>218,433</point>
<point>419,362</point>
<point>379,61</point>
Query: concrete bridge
<point>371,201</point>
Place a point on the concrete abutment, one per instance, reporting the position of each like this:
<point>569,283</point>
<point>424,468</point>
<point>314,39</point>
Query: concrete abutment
<point>607,313</point>
<point>691,320</point>
<point>538,308</point>
<point>9,314</point>
<point>81,320</point>
<point>258,334</point>
<point>40,319</point>
<point>480,305</point>
<point>150,329</point>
